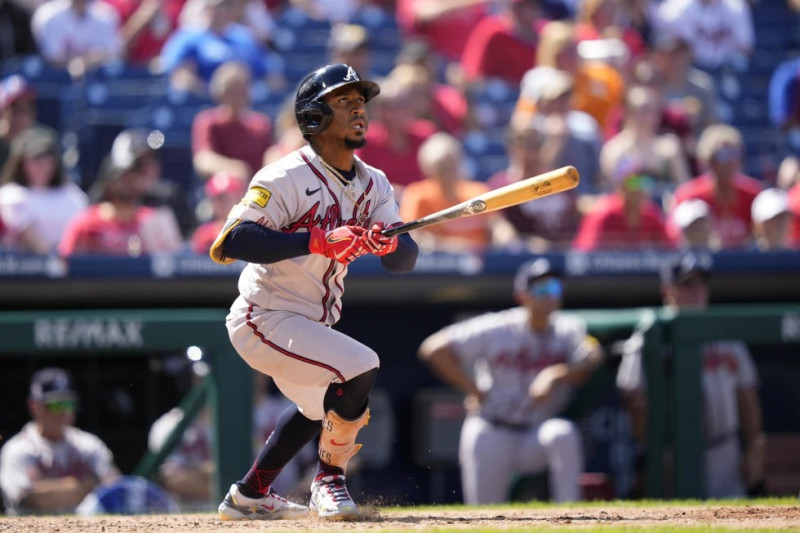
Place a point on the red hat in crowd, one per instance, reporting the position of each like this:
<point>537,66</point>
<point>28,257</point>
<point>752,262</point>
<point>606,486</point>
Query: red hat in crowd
<point>12,89</point>
<point>221,183</point>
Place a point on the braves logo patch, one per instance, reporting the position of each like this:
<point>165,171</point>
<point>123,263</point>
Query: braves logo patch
<point>258,195</point>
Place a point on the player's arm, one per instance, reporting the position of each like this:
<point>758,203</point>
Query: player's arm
<point>570,373</point>
<point>48,495</point>
<point>247,241</point>
<point>193,483</point>
<point>403,259</point>
<point>436,352</point>
<point>752,435</point>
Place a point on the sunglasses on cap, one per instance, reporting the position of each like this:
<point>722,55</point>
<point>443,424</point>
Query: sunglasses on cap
<point>548,288</point>
<point>638,182</point>
<point>60,406</point>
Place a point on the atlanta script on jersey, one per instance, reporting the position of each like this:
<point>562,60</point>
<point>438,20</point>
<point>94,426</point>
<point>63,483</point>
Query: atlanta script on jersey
<point>296,194</point>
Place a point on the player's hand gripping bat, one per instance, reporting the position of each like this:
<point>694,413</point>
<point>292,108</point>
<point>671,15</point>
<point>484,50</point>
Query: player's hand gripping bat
<point>555,181</point>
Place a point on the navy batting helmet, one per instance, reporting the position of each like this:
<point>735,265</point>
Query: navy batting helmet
<point>314,115</point>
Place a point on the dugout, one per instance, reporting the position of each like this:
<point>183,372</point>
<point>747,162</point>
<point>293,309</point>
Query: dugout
<point>114,356</point>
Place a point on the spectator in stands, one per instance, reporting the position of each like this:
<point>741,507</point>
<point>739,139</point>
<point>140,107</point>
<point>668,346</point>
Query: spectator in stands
<point>192,54</point>
<point>732,410</point>
<point>571,137</point>
<point>445,25</point>
<point>661,154</point>
<point>395,136</point>
<point>598,88</point>
<point>600,21</point>
<point>288,136</point>
<point>695,223</point>
<point>442,104</point>
<point>518,369</point>
<point>15,26</point>
<point>254,14</point>
<point>118,224</point>
<point>720,32</point>
<point>548,222</point>
<point>222,192</point>
<point>503,45</point>
<point>231,137</point>
<point>625,218</point>
<point>17,112</point>
<point>772,220</point>
<point>37,199</point>
<point>330,10</point>
<point>78,35</point>
<point>145,27</point>
<point>783,100</point>
<point>723,187</point>
<point>685,90</point>
<point>794,205</point>
<point>50,465</point>
<point>141,148</point>
<point>441,160</point>
<point>349,44</point>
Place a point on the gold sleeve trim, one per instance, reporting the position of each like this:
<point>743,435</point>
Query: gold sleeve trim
<point>215,252</point>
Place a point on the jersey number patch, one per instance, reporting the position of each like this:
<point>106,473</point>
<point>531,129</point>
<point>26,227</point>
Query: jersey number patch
<point>258,195</point>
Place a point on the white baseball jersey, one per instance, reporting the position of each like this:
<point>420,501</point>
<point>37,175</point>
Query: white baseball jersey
<point>295,194</point>
<point>508,355</point>
<point>29,457</point>
<point>727,367</point>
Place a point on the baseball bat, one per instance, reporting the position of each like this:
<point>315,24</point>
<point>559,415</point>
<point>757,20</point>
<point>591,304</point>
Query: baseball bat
<point>555,181</point>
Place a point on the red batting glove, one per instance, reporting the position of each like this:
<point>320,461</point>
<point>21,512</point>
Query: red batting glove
<point>378,244</point>
<point>342,244</point>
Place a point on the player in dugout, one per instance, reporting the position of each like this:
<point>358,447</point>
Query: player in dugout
<point>302,221</point>
<point>527,361</point>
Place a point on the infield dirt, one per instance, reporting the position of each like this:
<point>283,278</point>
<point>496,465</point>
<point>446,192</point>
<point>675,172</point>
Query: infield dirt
<point>744,517</point>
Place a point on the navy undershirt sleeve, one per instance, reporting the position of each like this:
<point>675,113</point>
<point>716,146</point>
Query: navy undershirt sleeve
<point>404,258</point>
<point>254,243</point>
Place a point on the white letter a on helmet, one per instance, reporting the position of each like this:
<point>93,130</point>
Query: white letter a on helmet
<point>351,75</point>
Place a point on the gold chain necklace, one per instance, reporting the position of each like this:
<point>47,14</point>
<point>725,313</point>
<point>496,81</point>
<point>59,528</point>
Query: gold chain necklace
<point>353,188</point>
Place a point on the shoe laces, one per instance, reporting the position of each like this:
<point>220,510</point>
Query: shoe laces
<point>275,495</point>
<point>336,487</point>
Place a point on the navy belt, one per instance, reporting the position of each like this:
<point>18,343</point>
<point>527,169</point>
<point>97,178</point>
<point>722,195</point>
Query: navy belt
<point>511,426</point>
<point>719,441</point>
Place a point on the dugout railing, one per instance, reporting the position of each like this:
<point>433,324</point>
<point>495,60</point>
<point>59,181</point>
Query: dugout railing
<point>675,401</point>
<point>109,333</point>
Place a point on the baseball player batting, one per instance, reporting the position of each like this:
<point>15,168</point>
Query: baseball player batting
<point>303,219</point>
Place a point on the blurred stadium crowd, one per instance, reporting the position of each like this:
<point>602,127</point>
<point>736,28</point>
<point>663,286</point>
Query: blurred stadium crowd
<point>130,127</point>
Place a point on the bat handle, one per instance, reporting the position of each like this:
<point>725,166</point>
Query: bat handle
<point>405,227</point>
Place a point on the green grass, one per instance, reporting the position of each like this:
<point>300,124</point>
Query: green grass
<point>591,529</point>
<point>602,504</point>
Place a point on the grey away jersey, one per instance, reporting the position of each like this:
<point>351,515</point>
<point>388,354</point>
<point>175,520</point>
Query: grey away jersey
<point>296,194</point>
<point>507,355</point>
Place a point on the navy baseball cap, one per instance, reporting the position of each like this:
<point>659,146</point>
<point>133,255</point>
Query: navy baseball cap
<point>51,384</point>
<point>685,266</point>
<point>532,271</point>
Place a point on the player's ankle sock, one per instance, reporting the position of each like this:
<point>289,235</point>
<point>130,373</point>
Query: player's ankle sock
<point>291,433</point>
<point>324,469</point>
<point>256,483</point>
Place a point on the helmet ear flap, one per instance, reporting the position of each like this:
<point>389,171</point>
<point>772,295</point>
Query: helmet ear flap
<point>314,117</point>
